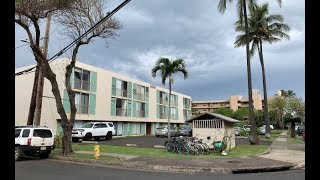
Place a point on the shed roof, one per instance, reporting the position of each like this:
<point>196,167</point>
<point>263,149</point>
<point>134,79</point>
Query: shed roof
<point>206,116</point>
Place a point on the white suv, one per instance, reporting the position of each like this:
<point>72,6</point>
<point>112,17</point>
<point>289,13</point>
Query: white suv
<point>94,130</point>
<point>33,141</point>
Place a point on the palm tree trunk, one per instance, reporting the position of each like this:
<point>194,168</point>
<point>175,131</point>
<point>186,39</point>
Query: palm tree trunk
<point>253,128</point>
<point>169,111</point>
<point>265,96</point>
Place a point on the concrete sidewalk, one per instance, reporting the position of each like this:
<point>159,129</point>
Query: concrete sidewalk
<point>279,158</point>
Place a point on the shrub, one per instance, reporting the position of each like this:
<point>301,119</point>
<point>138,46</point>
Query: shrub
<point>58,140</point>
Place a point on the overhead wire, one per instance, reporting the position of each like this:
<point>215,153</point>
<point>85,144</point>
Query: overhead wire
<point>79,38</point>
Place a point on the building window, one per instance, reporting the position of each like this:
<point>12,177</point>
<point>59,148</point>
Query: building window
<point>81,79</point>
<point>121,88</point>
<point>162,111</point>
<point>185,114</point>
<point>163,98</point>
<point>140,109</point>
<point>121,107</point>
<point>141,91</point>
<point>82,102</point>
<point>173,113</point>
<point>186,103</point>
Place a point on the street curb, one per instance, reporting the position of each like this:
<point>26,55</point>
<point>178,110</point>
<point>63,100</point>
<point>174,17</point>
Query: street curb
<point>141,165</point>
<point>300,165</point>
<point>266,152</point>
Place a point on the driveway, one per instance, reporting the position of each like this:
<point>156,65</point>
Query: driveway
<point>151,141</point>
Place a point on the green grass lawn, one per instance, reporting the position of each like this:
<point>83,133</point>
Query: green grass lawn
<point>238,151</point>
<point>295,140</point>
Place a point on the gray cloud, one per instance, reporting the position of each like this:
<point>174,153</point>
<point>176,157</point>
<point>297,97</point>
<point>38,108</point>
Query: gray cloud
<point>198,33</point>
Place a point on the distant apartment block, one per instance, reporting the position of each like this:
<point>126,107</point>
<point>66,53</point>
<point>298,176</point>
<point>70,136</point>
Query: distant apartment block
<point>135,107</point>
<point>234,102</point>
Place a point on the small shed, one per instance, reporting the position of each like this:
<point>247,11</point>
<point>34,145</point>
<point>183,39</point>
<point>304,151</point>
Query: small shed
<point>215,126</point>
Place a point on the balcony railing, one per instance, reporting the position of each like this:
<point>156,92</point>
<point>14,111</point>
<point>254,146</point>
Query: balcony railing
<point>163,101</point>
<point>121,112</point>
<point>82,85</point>
<point>163,115</point>
<point>140,113</point>
<point>82,109</point>
<point>141,97</point>
<point>121,92</point>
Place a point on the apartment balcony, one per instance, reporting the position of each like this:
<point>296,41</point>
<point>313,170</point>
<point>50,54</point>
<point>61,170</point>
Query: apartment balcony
<point>163,116</point>
<point>82,109</point>
<point>141,97</point>
<point>121,112</point>
<point>81,85</point>
<point>140,113</point>
<point>121,92</point>
<point>163,101</point>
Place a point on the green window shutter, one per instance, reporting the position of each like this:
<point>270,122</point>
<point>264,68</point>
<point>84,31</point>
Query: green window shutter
<point>147,94</point>
<point>129,108</point>
<point>143,128</point>
<point>134,91</point>
<point>66,103</point>
<point>93,81</point>
<point>177,114</point>
<point>158,97</point>
<point>130,128</point>
<point>158,112</point>
<point>72,79</point>
<point>59,128</point>
<point>134,108</point>
<point>125,129</point>
<point>175,100</point>
<point>147,110</point>
<point>92,104</point>
<point>130,90</point>
<point>114,81</point>
<point>113,106</point>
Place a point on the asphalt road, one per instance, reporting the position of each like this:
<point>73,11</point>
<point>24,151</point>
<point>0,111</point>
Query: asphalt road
<point>150,141</point>
<point>48,169</point>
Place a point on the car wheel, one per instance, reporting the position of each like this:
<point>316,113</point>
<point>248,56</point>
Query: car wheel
<point>87,137</point>
<point>17,156</point>
<point>109,136</point>
<point>157,135</point>
<point>75,140</point>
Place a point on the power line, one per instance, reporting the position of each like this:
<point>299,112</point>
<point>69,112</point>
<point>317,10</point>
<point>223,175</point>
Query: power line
<point>79,38</point>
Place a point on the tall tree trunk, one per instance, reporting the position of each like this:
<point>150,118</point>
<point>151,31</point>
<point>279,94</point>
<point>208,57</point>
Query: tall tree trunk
<point>169,111</point>
<point>254,139</point>
<point>32,106</point>
<point>265,96</point>
<point>293,127</point>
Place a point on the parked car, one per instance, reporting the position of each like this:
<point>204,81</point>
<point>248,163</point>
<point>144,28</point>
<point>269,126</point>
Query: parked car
<point>237,131</point>
<point>300,130</point>
<point>262,129</point>
<point>94,130</point>
<point>163,131</point>
<point>185,131</point>
<point>33,141</point>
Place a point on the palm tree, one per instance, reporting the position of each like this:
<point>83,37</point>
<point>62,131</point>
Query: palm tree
<point>262,28</point>
<point>167,69</point>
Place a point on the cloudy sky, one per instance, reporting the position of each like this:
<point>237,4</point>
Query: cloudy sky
<point>196,32</point>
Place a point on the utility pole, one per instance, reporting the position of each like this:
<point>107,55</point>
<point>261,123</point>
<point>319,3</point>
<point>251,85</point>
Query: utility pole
<point>37,113</point>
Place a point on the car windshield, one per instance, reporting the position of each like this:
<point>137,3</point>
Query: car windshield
<point>162,127</point>
<point>87,125</point>
<point>17,132</point>
<point>185,128</point>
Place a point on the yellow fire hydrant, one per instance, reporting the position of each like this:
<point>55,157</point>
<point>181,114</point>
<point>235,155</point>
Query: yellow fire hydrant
<point>96,151</point>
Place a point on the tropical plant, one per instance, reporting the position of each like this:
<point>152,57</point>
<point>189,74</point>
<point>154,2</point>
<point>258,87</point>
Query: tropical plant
<point>224,111</point>
<point>241,113</point>
<point>167,69</point>
<point>262,28</point>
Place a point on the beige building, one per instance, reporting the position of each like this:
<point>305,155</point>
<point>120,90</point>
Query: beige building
<point>234,102</point>
<point>135,107</point>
